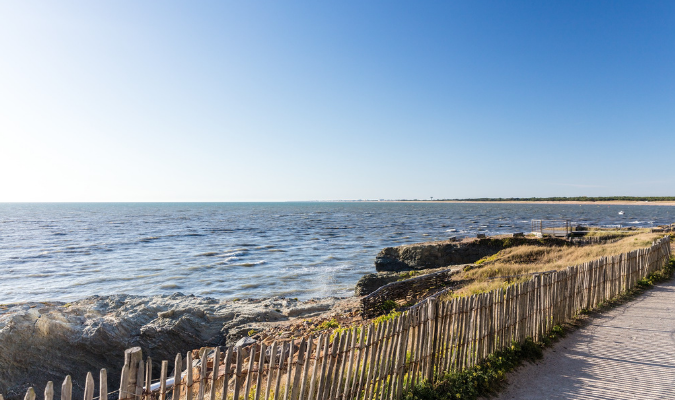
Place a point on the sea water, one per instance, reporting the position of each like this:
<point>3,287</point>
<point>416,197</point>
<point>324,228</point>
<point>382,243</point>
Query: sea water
<point>57,251</point>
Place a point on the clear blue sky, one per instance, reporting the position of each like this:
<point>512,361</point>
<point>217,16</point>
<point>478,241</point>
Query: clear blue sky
<point>290,100</point>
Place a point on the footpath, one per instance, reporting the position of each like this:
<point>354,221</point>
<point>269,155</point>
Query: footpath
<point>625,353</point>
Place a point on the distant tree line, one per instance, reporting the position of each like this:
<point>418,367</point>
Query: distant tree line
<point>581,198</point>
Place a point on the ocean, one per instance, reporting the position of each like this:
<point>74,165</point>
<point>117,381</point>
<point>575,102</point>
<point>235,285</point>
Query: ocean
<point>67,251</point>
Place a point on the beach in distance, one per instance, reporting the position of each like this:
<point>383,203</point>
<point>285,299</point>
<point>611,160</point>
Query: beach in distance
<point>68,251</point>
<point>577,202</point>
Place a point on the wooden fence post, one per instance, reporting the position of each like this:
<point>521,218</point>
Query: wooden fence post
<point>49,391</point>
<point>102,384</point>
<point>67,389</point>
<point>30,394</point>
<point>132,357</point>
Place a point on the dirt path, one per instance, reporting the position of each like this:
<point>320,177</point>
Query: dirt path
<point>625,353</point>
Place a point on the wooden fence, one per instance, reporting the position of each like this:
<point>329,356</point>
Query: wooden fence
<point>372,304</point>
<point>382,360</point>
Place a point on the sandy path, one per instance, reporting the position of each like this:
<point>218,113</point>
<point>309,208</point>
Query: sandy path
<point>626,353</point>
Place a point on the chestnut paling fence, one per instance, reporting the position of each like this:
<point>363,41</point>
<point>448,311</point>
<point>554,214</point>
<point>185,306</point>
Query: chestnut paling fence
<point>382,360</point>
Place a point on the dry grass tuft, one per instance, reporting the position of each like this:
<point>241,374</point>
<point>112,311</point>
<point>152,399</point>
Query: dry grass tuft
<point>520,260</point>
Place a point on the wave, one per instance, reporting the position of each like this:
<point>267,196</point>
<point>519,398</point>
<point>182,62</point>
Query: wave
<point>170,286</point>
<point>249,264</point>
<point>207,254</point>
<point>199,267</point>
<point>226,261</point>
<point>251,285</point>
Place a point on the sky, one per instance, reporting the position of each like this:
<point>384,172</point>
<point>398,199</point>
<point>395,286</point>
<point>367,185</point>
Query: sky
<point>306,100</point>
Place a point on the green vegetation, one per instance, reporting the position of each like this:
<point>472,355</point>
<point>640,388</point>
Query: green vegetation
<point>407,275</point>
<point>386,317</point>
<point>486,259</point>
<point>485,378</point>
<point>346,328</point>
<point>332,323</point>
<point>388,305</point>
<point>659,276</point>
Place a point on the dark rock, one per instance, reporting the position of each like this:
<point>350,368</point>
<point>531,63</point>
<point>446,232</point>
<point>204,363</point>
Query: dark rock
<point>371,282</point>
<point>442,254</point>
<point>431,255</point>
<point>390,262</point>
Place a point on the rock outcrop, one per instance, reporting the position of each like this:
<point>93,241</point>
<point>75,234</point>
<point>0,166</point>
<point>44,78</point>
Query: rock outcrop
<point>444,253</point>
<point>414,289</point>
<point>371,282</point>
<point>45,341</point>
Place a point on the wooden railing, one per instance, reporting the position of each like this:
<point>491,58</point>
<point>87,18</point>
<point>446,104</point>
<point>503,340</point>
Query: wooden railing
<point>382,360</point>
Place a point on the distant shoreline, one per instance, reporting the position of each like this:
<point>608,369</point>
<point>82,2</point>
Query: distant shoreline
<point>570,202</point>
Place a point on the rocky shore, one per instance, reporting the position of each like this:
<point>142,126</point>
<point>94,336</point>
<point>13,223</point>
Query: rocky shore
<point>45,341</point>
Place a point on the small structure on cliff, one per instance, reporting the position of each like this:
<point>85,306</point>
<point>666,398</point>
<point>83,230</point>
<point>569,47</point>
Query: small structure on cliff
<point>551,227</point>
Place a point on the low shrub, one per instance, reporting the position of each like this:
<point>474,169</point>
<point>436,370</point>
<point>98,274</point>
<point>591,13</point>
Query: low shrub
<point>327,325</point>
<point>483,379</point>
<point>388,305</point>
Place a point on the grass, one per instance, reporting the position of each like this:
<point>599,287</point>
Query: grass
<point>515,261</point>
<point>386,317</point>
<point>325,325</point>
<point>600,232</point>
